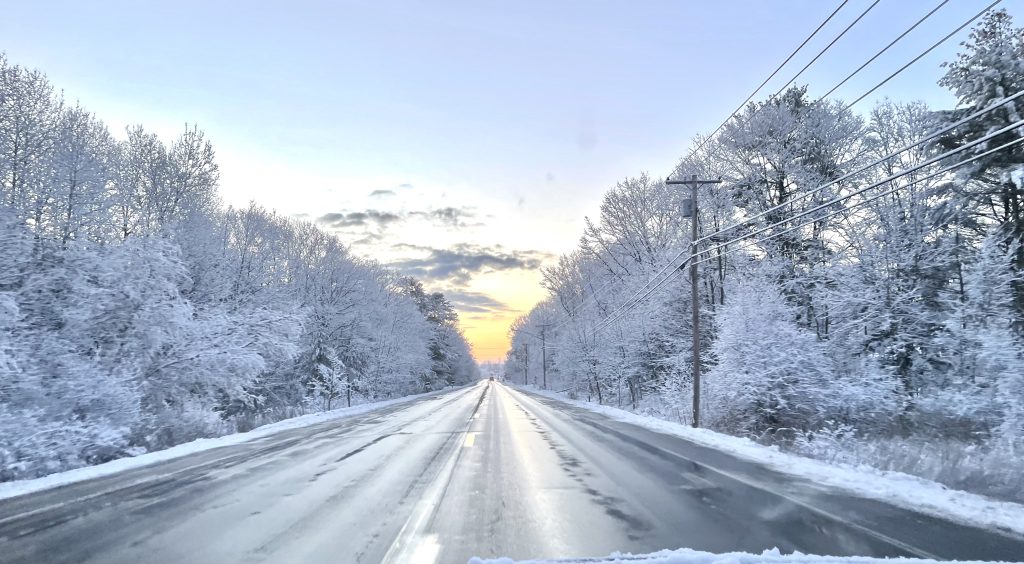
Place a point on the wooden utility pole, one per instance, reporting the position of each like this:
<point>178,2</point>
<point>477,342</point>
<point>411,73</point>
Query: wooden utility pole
<point>694,185</point>
<point>544,359</point>
<point>526,365</point>
<point>544,354</point>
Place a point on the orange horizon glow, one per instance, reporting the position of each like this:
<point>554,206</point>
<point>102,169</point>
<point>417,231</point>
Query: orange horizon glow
<point>487,333</point>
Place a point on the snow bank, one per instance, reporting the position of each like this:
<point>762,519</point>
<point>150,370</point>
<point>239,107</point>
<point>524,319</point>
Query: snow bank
<point>687,556</point>
<point>21,487</point>
<point>896,488</point>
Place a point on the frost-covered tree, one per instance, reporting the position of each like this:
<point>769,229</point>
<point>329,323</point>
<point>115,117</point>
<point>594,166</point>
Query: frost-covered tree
<point>136,313</point>
<point>871,326</point>
<point>990,68</point>
<point>81,167</point>
<point>770,374</point>
<point>449,353</point>
<point>983,354</point>
<point>28,113</point>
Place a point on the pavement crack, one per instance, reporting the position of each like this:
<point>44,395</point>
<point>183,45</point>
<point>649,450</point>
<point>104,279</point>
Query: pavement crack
<point>352,453</point>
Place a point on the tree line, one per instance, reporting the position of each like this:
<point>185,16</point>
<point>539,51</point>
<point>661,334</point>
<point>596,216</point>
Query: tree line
<point>138,312</point>
<point>885,309</point>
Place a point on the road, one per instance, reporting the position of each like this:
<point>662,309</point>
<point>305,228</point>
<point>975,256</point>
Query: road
<point>485,470</point>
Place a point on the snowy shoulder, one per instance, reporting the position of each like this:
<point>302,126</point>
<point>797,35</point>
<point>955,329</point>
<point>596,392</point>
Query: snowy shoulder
<point>896,488</point>
<point>687,556</point>
<point>22,487</point>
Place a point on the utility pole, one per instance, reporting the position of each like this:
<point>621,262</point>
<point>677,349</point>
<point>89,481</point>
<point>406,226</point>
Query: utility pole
<point>544,353</point>
<point>544,358</point>
<point>694,185</point>
<point>526,365</point>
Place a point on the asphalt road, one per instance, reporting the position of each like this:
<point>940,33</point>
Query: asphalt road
<point>485,471</point>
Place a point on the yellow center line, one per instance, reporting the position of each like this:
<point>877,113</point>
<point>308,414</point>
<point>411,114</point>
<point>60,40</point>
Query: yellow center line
<point>470,439</point>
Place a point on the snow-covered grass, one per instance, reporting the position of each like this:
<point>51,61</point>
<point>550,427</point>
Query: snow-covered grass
<point>687,556</point>
<point>896,488</point>
<point>994,470</point>
<point>21,487</point>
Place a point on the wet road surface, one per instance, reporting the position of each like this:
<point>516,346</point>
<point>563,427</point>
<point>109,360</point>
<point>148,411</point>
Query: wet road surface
<point>480,471</point>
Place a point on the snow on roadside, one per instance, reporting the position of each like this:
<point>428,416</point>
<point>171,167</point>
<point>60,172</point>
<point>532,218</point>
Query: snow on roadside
<point>21,487</point>
<point>896,488</point>
<point>687,556</point>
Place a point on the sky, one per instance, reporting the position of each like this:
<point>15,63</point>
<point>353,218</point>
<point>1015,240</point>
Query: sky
<point>460,142</point>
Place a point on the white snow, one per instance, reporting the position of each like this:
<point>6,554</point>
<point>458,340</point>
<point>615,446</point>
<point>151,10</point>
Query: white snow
<point>21,487</point>
<point>1017,176</point>
<point>687,556</point>
<point>896,488</point>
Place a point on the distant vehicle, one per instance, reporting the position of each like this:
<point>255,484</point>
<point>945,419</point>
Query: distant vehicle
<point>492,378</point>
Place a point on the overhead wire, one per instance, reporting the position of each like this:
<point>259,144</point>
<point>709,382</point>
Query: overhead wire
<point>886,48</point>
<point>854,173</point>
<point>858,191</point>
<point>928,50</point>
<point>615,318</point>
<point>658,285</point>
<point>780,67</point>
<point>790,81</point>
<point>632,304</point>
<point>710,258</point>
<point>803,195</point>
<point>866,200</point>
<point>932,136</point>
<point>826,48</point>
<point>772,75</point>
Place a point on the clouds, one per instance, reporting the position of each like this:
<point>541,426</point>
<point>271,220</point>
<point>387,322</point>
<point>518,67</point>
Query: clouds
<point>458,264</point>
<point>449,216</point>
<point>386,193</point>
<point>372,218</point>
<point>475,302</point>
<point>342,220</point>
<point>447,245</point>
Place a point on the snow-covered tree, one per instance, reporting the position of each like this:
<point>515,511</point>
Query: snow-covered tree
<point>990,68</point>
<point>136,313</point>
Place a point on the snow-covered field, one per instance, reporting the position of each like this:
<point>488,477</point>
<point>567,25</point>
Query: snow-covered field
<point>687,556</point>
<point>21,487</point>
<point>899,489</point>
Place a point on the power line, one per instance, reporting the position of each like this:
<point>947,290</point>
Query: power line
<point>617,315</point>
<point>914,168</point>
<point>928,50</point>
<point>870,199</point>
<point>876,87</point>
<point>890,77</point>
<point>771,76</point>
<point>847,176</point>
<point>791,80</point>
<point>820,188</point>
<point>827,47</point>
<point>863,168</point>
<point>886,48</point>
<point>583,302</point>
<point>631,304</point>
<point>615,318</point>
<point>641,290</point>
<point>755,111</point>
